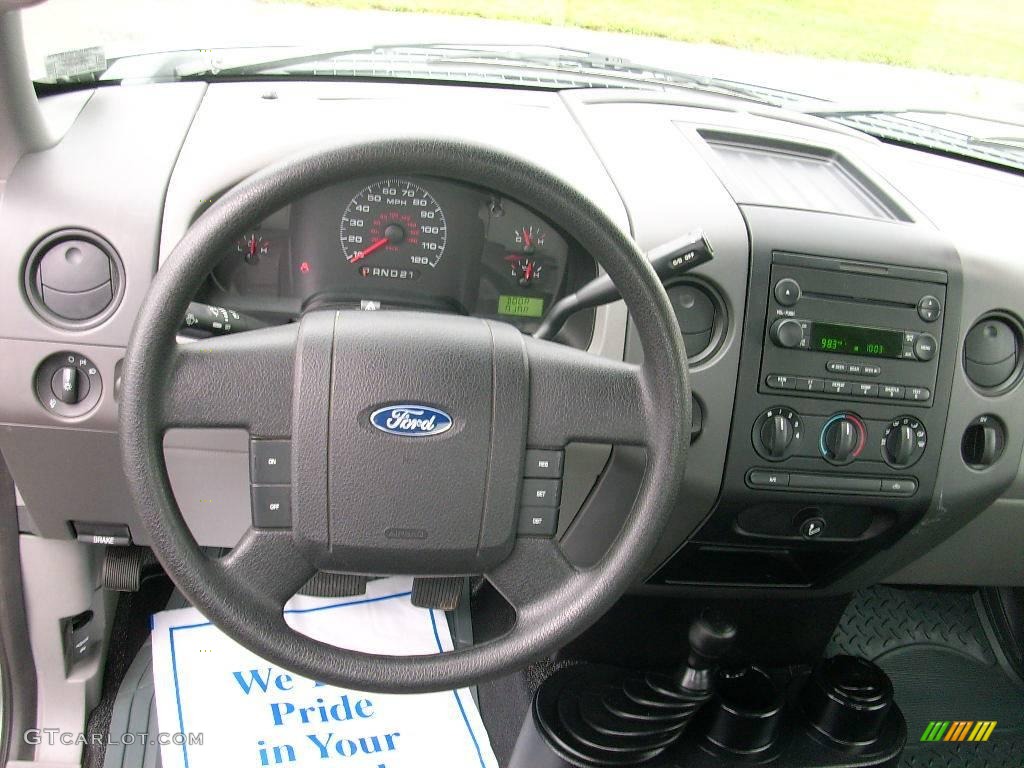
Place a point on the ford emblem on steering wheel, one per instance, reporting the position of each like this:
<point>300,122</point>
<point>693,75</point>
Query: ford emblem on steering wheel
<point>411,420</point>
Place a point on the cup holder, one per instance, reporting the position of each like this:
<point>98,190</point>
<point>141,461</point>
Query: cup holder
<point>847,699</point>
<point>746,711</point>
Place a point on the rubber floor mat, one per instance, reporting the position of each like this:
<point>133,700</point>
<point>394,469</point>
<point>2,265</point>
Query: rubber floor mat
<point>933,645</point>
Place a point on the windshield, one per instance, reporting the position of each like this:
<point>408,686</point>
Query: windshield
<point>939,74</point>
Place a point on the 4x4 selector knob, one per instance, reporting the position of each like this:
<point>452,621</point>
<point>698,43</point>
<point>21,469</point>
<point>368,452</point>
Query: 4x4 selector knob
<point>787,333</point>
<point>777,433</point>
<point>842,438</point>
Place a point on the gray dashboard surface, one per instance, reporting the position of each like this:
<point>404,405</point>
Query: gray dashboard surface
<point>138,164</point>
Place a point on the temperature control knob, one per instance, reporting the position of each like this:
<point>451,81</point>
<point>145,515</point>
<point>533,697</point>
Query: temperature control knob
<point>777,433</point>
<point>904,441</point>
<point>842,438</point>
<point>787,333</point>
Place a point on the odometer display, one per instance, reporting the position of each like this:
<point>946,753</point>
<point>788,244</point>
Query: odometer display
<point>393,224</point>
<point>856,340</point>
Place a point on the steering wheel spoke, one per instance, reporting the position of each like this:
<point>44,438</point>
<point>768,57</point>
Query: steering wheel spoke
<point>269,563</point>
<point>242,380</point>
<point>534,567</point>
<point>576,396</point>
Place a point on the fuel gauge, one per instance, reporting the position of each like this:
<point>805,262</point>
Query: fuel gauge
<point>525,271</point>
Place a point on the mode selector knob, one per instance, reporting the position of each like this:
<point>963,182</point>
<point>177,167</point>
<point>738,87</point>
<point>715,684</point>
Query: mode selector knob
<point>904,441</point>
<point>842,438</point>
<point>777,432</point>
<point>787,333</point>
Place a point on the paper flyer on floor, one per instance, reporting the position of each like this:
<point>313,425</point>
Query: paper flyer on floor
<point>232,708</point>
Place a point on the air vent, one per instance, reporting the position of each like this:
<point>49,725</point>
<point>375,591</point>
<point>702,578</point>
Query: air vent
<point>992,353</point>
<point>700,316</point>
<point>74,279</point>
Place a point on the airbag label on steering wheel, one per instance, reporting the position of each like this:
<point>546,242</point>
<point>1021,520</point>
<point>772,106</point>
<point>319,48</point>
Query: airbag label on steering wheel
<point>230,707</point>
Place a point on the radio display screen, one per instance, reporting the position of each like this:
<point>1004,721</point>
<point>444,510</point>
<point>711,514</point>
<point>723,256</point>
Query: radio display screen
<point>856,340</point>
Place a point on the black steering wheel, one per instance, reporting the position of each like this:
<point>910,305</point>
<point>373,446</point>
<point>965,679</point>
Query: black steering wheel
<point>368,502</point>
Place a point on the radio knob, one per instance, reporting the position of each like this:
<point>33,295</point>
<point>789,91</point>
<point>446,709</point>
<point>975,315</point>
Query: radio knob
<point>842,438</point>
<point>787,333</point>
<point>904,442</point>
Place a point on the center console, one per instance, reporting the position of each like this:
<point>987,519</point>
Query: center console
<point>841,403</point>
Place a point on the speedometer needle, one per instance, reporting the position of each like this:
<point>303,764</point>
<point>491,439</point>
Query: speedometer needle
<point>369,249</point>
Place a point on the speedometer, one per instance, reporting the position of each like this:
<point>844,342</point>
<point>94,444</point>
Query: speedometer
<point>393,226</point>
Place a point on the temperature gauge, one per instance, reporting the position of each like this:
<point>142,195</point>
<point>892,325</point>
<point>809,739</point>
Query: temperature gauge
<point>530,238</point>
<point>252,246</point>
<point>524,270</point>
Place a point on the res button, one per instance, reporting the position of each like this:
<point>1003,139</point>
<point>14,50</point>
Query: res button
<point>543,464</point>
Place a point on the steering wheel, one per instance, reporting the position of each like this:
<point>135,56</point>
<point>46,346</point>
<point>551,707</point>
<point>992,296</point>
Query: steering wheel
<point>365,501</point>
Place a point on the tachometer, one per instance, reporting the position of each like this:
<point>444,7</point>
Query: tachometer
<point>393,224</point>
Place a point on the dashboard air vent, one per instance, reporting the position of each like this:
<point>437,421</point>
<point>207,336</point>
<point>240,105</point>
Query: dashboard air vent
<point>700,316</point>
<point>992,352</point>
<point>74,278</point>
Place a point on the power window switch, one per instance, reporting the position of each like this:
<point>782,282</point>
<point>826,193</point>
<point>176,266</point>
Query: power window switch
<point>541,493</point>
<point>543,464</point>
<point>538,521</point>
<point>272,506</point>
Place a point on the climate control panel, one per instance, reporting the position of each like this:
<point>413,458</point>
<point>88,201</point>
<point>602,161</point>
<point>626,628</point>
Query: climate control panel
<point>839,439</point>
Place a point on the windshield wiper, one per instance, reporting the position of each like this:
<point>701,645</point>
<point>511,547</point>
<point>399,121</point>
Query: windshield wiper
<point>549,66</point>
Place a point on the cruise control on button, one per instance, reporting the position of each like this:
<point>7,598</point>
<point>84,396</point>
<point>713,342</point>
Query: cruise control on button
<point>270,461</point>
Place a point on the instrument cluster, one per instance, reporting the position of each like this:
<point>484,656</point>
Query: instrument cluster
<point>423,243</point>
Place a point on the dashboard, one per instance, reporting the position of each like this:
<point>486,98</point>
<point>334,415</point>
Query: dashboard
<point>392,243</point>
<point>855,345</point>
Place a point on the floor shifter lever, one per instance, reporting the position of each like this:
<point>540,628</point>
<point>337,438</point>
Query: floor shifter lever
<point>711,636</point>
<point>603,716</point>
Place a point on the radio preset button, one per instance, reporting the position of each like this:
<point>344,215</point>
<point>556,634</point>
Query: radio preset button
<point>863,389</point>
<point>777,381</point>
<point>838,387</point>
<point>891,391</point>
<point>787,292</point>
<point>917,393</point>
<point>805,384</point>
<point>929,308</point>
<point>924,347</point>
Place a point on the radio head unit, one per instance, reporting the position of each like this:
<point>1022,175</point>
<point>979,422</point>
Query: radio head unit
<point>816,341</point>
